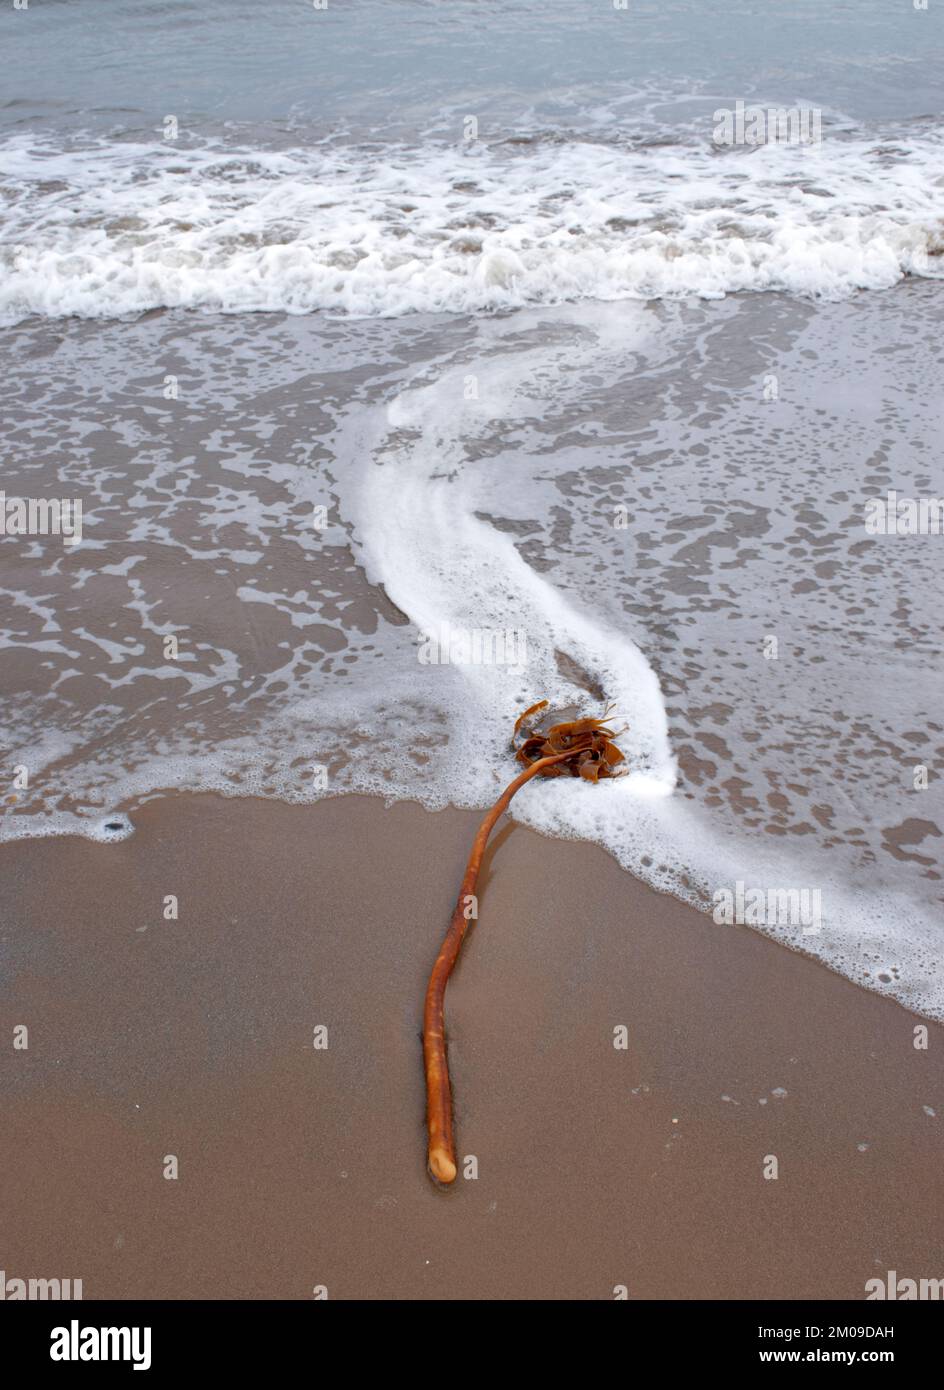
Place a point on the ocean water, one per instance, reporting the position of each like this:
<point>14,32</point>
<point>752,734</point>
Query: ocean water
<point>349,326</point>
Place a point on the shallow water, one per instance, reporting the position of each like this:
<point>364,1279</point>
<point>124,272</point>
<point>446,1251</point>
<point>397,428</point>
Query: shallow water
<point>524,383</point>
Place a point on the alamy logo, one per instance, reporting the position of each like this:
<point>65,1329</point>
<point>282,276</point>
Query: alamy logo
<point>772,907</point>
<point>476,646</point>
<point>41,516</point>
<point>895,1290</point>
<point>904,516</point>
<point>771,125</point>
<point>76,1343</point>
<point>15,1290</point>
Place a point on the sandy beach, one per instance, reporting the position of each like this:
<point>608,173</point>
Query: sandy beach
<point>304,1168</point>
<point>374,373</point>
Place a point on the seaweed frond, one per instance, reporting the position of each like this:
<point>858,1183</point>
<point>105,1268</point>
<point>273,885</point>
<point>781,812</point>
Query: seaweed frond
<point>590,742</point>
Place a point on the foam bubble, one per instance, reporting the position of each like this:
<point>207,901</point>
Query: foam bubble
<point>112,829</point>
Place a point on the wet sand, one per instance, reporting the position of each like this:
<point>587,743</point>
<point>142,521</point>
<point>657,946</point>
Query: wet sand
<point>302,1167</point>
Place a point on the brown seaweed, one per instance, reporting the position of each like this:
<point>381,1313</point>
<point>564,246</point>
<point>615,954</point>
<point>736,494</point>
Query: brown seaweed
<point>578,748</point>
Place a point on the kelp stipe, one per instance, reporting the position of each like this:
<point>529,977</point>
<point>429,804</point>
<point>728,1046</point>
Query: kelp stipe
<point>581,748</point>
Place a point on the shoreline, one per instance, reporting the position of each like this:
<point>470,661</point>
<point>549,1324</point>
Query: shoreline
<point>302,1167</point>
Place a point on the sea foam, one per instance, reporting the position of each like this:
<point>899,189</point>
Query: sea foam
<point>112,229</point>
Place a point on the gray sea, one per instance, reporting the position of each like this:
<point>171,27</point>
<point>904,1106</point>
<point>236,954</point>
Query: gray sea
<point>404,363</point>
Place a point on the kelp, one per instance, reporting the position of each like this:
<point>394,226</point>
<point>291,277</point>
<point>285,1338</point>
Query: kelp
<point>577,748</point>
<point>590,742</point>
